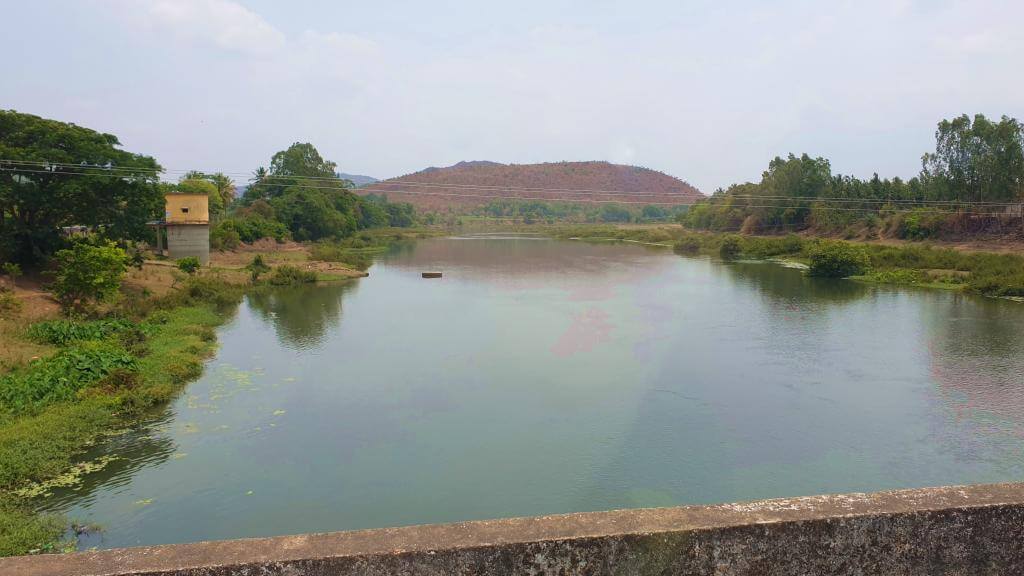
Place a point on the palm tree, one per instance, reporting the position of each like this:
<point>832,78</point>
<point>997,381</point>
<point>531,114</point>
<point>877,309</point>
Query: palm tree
<point>225,187</point>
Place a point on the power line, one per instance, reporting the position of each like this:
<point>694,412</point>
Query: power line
<point>126,172</point>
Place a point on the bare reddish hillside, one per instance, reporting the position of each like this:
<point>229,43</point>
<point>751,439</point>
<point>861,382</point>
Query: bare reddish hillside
<point>469,184</point>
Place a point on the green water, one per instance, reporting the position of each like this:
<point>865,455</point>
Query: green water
<point>543,376</point>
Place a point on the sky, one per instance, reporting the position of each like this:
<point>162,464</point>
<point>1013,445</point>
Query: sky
<point>708,91</point>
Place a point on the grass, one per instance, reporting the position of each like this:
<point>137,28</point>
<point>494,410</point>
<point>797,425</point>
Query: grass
<point>990,274</point>
<point>41,435</point>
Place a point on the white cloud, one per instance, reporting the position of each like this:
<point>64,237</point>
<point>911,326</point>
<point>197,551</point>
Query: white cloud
<point>222,23</point>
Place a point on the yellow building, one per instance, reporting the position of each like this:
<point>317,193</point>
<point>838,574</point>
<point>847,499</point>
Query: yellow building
<point>185,227</point>
<point>187,209</point>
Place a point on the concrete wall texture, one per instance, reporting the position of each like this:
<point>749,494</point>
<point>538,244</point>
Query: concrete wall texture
<point>189,240</point>
<point>966,531</point>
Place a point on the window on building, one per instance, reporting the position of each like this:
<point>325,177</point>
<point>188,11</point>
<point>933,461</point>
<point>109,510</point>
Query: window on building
<point>184,210</point>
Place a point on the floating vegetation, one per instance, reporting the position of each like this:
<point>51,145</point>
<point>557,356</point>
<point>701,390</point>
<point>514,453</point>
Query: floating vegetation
<point>178,455</point>
<point>71,478</point>
<point>278,412</point>
<point>144,502</point>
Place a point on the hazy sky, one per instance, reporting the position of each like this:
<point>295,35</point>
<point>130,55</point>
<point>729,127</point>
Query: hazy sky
<point>707,91</point>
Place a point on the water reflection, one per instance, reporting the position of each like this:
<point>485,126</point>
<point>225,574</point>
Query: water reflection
<point>542,377</point>
<point>977,355</point>
<point>792,285</point>
<point>302,315</point>
<point>144,445</point>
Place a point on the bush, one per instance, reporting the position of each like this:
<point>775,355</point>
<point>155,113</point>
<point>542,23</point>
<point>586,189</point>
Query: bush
<point>10,306</point>
<point>88,273</point>
<point>257,267</point>
<point>688,245</point>
<point>189,264</point>
<point>12,271</point>
<point>921,224</point>
<point>287,275</point>
<point>730,248</point>
<point>838,260</point>
<point>224,238</point>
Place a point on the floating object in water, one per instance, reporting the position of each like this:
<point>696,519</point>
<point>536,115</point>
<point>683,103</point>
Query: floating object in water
<point>431,274</point>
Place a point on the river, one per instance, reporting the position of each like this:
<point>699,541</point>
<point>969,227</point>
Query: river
<point>542,376</point>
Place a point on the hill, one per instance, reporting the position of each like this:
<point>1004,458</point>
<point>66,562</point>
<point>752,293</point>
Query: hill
<point>475,183</point>
<point>357,179</point>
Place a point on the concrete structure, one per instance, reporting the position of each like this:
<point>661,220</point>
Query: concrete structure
<point>968,531</point>
<point>185,227</point>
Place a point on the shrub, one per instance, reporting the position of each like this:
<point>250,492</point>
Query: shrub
<point>838,260</point>
<point>10,306</point>
<point>287,275</point>
<point>189,264</point>
<point>224,238</point>
<point>88,273</point>
<point>688,245</point>
<point>920,224</point>
<point>12,271</point>
<point>730,247</point>
<point>201,290</point>
<point>257,267</point>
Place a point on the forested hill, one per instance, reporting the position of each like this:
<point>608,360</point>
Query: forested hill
<point>469,184</point>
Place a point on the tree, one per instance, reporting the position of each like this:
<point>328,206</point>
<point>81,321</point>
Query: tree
<point>88,273</point>
<point>224,184</point>
<point>976,161</point>
<point>56,174</point>
<point>257,189</point>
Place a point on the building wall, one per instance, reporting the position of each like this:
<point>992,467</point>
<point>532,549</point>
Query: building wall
<point>187,208</point>
<point>189,240</point>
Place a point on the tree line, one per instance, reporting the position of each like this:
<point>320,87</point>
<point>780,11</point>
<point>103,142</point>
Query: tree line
<point>59,180</point>
<point>977,168</point>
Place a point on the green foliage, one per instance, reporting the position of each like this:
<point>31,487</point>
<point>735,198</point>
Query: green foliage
<point>249,228</point>
<point>688,245</point>
<point>87,273</point>
<point>195,184</point>
<point>66,331</point>
<point>60,377</point>
<point>257,267</point>
<point>189,264</point>
<point>35,203</point>
<point>838,260</point>
<point>920,224</point>
<point>730,247</point>
<point>10,305</point>
<point>979,161</point>
<point>22,531</point>
<point>287,275</point>
<point>12,271</point>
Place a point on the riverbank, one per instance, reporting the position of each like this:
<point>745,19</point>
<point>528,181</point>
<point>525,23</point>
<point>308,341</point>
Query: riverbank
<point>997,271</point>
<point>101,375</point>
<point>66,383</point>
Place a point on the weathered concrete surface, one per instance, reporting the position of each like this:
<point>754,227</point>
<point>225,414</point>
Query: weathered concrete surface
<point>968,531</point>
<point>189,240</point>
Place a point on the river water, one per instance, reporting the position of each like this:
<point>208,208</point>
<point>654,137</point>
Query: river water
<point>542,376</point>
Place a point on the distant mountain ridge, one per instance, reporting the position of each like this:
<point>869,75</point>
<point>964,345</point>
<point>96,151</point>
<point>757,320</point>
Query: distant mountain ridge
<point>357,179</point>
<point>478,182</point>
